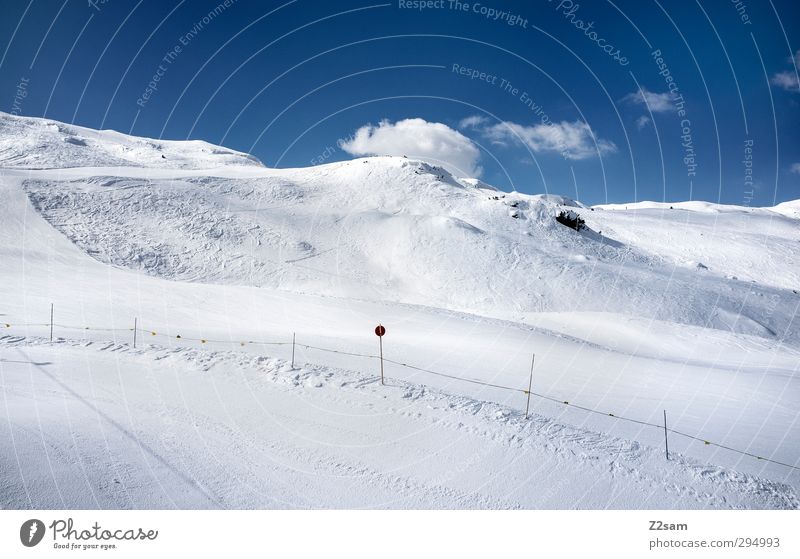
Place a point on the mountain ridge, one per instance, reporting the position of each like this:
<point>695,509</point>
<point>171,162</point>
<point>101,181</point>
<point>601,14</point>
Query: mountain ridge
<point>402,230</point>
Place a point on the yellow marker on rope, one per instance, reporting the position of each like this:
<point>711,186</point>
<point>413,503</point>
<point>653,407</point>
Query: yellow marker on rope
<point>706,442</point>
<point>178,337</point>
<point>152,333</point>
<point>8,326</point>
<point>202,341</point>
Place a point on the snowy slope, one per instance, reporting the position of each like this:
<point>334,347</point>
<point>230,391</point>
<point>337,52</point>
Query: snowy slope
<point>164,428</point>
<point>37,143</point>
<point>757,245</point>
<point>399,230</point>
<point>617,323</point>
<point>790,209</point>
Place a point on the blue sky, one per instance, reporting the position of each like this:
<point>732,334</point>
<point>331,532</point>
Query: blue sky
<point>541,96</point>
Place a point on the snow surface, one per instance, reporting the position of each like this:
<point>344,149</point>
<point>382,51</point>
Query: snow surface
<point>313,437</point>
<point>689,310</point>
<point>37,143</point>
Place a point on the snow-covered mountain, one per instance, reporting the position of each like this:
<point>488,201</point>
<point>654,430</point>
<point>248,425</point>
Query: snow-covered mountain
<point>689,307</point>
<point>37,143</point>
<point>394,229</point>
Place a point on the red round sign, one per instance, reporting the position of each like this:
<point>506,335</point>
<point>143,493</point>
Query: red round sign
<point>380,330</point>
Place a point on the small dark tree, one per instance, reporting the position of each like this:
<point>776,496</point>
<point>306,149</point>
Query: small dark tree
<point>571,220</point>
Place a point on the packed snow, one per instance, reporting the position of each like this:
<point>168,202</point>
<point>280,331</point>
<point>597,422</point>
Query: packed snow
<point>685,307</point>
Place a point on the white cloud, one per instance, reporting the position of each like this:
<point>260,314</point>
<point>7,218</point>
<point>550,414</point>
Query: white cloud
<point>642,121</point>
<point>433,142</point>
<point>473,121</point>
<point>656,102</point>
<point>573,140</point>
<point>786,80</point>
<point>795,168</point>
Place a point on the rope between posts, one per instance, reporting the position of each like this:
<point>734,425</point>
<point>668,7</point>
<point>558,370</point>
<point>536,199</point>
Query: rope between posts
<point>413,367</point>
<point>500,386</point>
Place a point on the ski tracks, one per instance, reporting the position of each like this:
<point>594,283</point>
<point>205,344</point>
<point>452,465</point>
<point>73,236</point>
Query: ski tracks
<point>318,437</point>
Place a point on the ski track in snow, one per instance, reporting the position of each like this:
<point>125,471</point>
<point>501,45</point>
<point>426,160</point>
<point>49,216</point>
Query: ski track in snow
<point>325,451</point>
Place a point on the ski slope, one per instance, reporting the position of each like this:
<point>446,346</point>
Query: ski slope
<point>156,428</point>
<point>666,309</point>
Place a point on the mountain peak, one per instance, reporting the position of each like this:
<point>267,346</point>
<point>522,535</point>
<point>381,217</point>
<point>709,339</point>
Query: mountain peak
<point>39,143</point>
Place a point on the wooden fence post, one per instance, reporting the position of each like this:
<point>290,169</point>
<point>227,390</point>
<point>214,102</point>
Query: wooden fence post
<point>380,342</point>
<point>530,385</point>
